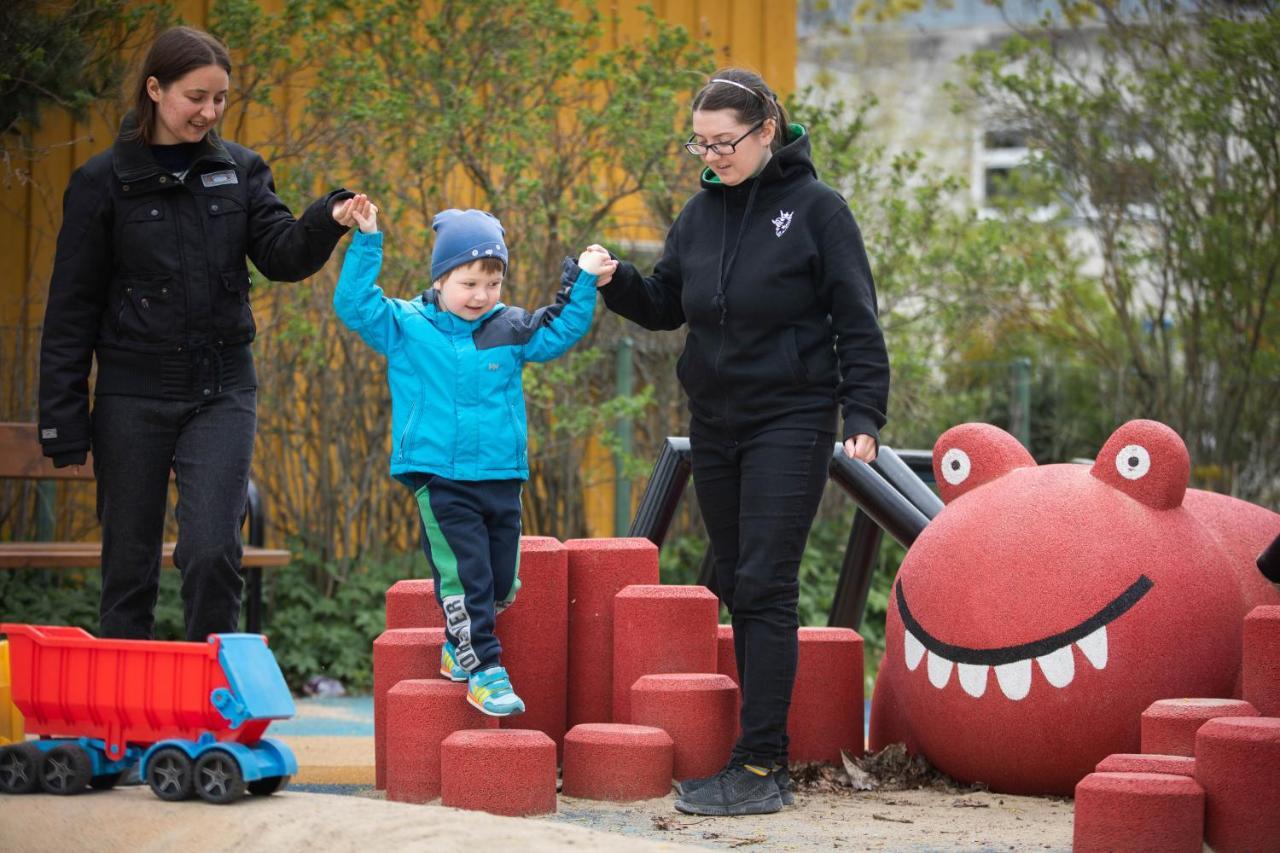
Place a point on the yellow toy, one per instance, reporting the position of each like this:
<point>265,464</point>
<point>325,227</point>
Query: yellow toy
<point>10,717</point>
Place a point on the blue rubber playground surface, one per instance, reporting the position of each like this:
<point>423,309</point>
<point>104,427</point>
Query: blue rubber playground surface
<point>341,716</point>
<point>352,716</point>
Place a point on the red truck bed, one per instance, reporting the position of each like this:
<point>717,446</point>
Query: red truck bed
<point>68,683</point>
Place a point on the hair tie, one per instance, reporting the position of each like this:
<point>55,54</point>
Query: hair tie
<point>739,85</point>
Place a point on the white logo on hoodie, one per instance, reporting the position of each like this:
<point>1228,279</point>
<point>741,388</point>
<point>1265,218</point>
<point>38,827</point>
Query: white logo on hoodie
<point>782,222</point>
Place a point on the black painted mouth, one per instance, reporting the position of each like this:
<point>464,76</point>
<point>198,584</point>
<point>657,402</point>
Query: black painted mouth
<point>997,657</point>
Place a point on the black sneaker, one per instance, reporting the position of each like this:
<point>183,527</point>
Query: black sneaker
<point>739,789</point>
<point>781,777</point>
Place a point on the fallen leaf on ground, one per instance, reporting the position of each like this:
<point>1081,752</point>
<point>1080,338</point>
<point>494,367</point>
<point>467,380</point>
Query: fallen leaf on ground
<point>859,779</point>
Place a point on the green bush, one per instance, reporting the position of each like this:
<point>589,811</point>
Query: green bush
<point>42,597</point>
<point>314,633</point>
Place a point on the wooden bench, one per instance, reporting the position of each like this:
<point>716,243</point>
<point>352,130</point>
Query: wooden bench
<point>21,459</point>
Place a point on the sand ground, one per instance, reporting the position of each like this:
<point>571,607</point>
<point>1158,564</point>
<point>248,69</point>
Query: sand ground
<point>132,820</point>
<point>333,806</point>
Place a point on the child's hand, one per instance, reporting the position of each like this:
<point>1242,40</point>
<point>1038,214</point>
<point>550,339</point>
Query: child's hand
<point>595,260</point>
<point>607,276</point>
<point>365,213</point>
<point>599,256</point>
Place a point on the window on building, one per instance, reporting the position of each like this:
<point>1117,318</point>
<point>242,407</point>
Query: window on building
<point>1002,158</point>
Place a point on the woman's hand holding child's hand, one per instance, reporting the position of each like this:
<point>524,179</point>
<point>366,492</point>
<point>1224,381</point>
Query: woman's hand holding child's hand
<point>342,213</point>
<point>595,260</point>
<point>364,213</point>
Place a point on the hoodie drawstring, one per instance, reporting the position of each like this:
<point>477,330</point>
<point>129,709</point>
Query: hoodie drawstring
<point>726,270</point>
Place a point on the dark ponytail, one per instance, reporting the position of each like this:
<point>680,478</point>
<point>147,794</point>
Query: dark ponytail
<point>746,93</point>
<point>176,52</point>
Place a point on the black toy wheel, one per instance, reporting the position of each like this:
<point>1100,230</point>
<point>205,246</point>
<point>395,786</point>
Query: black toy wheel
<point>218,777</point>
<point>268,785</point>
<point>67,769</point>
<point>105,782</point>
<point>20,768</point>
<point>169,774</point>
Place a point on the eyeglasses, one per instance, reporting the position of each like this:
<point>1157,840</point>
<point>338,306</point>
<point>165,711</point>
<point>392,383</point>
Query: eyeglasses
<point>698,149</point>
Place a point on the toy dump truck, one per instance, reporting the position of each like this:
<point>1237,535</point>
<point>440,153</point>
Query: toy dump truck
<point>189,717</point>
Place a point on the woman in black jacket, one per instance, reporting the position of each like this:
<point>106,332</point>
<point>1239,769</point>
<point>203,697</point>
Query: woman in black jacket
<point>151,278</point>
<point>766,267</point>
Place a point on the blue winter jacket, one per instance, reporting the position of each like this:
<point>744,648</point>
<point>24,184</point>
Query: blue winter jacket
<point>457,401</point>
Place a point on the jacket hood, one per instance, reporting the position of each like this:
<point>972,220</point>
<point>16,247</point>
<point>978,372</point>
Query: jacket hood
<point>132,157</point>
<point>791,160</point>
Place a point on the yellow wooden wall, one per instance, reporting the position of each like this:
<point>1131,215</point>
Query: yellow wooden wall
<point>758,34</point>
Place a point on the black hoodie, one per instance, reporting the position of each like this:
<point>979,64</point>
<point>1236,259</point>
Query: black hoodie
<point>773,280</point>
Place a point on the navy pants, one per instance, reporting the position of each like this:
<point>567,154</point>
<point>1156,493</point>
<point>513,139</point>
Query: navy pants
<point>471,536</point>
<point>758,497</point>
<point>208,445</point>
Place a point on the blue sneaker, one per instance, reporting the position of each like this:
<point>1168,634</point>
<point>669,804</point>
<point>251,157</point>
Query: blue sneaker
<point>489,691</point>
<point>449,667</point>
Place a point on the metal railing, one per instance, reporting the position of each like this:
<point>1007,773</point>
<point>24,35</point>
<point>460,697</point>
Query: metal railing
<point>892,496</point>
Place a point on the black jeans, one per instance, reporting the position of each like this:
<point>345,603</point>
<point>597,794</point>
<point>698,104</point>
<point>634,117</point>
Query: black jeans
<point>758,497</point>
<point>208,445</point>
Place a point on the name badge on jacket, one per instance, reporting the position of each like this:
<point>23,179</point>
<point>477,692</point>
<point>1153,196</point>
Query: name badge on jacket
<point>219,179</point>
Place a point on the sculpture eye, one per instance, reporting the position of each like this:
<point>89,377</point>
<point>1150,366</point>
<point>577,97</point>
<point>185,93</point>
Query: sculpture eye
<point>1133,462</point>
<point>955,466</point>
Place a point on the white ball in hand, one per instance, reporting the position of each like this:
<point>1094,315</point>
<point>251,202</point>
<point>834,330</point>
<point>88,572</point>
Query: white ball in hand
<point>593,262</point>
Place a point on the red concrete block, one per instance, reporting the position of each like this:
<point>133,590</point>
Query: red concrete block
<point>399,654</point>
<point>660,629</point>
<point>420,714</point>
<point>614,761</point>
<point>1132,762</point>
<point>1138,811</point>
<point>411,603</point>
<point>1169,725</point>
<point>1260,668</point>
<point>1238,764</point>
<point>726,658</point>
<point>534,632</point>
<point>826,704</point>
<point>698,710</point>
<point>598,570</point>
<point>507,772</point>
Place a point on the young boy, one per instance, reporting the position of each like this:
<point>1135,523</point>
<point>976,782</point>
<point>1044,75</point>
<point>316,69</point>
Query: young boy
<point>455,355</point>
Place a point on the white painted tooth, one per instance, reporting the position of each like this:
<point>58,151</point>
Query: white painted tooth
<point>973,678</point>
<point>1015,679</point>
<point>1094,647</point>
<point>914,649</point>
<point>939,670</point>
<point>1059,666</point>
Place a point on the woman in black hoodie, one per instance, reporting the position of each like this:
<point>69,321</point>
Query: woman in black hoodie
<point>766,267</point>
<point>151,279</point>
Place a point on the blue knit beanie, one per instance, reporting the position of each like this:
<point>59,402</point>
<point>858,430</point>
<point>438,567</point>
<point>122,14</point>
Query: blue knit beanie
<point>463,236</point>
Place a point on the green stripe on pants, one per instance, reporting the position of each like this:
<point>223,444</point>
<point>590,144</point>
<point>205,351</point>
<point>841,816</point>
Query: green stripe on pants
<point>442,556</point>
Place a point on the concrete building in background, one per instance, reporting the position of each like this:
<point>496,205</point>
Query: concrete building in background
<point>913,66</point>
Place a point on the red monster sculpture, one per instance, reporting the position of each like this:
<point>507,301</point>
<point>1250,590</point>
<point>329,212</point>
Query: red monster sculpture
<point>1046,607</point>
